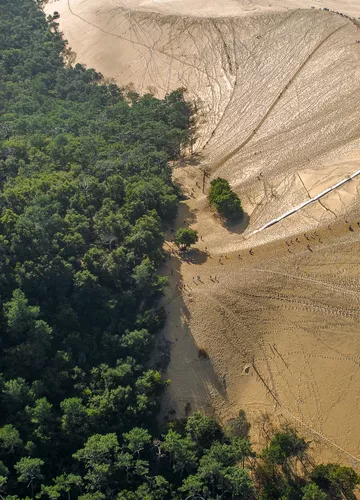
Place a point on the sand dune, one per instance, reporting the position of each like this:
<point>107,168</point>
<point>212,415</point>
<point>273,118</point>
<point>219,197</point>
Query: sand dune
<point>277,93</point>
<point>200,8</point>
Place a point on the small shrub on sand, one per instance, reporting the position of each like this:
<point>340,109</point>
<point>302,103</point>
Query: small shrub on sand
<point>185,237</point>
<point>226,202</point>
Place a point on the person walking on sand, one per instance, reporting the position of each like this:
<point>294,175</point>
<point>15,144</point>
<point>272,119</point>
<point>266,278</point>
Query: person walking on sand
<point>309,248</point>
<point>224,382</point>
<point>251,251</point>
<point>198,277</point>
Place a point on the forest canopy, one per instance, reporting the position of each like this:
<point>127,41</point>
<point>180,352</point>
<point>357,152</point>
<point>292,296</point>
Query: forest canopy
<point>85,194</point>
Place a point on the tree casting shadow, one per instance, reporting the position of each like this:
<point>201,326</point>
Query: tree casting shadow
<point>238,227</point>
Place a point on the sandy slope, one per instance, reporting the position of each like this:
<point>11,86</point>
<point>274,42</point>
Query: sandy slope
<point>200,8</point>
<point>281,326</point>
<point>140,47</point>
<point>278,114</point>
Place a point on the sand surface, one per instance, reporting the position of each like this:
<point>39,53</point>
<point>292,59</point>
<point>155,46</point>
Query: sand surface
<point>277,96</point>
<point>281,327</point>
<point>198,8</point>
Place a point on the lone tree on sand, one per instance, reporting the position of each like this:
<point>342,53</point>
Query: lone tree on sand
<point>184,237</point>
<point>226,202</point>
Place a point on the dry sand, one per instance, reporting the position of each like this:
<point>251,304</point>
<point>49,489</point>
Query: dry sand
<point>281,326</point>
<point>277,93</point>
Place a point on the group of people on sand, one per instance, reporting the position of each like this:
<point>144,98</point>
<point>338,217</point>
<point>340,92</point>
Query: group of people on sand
<point>352,19</point>
<point>316,237</point>
<point>196,280</point>
<point>310,239</point>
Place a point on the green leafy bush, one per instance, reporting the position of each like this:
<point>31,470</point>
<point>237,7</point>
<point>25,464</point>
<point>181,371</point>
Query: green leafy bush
<point>185,237</point>
<point>225,201</point>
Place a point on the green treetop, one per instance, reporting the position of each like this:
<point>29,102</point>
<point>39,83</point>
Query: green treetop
<point>185,237</point>
<point>224,200</point>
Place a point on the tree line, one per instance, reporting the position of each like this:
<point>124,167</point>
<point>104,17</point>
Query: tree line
<point>85,194</point>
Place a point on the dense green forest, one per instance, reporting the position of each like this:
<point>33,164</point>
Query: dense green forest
<point>85,194</point>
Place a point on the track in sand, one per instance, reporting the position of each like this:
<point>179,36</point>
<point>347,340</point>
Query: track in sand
<point>277,93</point>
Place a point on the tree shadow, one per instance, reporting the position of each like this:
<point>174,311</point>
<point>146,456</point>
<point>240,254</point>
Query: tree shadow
<point>176,352</point>
<point>185,216</point>
<point>195,256</point>
<point>238,227</point>
<point>192,160</point>
<point>194,379</point>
